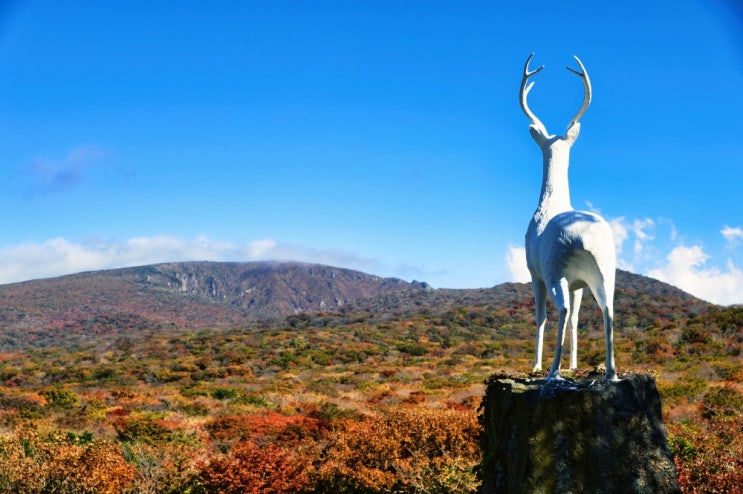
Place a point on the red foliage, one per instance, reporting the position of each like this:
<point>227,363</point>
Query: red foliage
<point>709,455</point>
<point>403,449</point>
<point>269,425</point>
<point>252,468</point>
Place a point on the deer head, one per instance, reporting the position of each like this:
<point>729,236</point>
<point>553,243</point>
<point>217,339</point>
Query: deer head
<point>537,129</point>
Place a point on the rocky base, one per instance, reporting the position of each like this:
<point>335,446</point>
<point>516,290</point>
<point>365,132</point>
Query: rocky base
<point>574,436</point>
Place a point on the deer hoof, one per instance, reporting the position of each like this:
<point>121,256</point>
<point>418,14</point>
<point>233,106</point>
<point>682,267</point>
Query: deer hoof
<point>612,378</point>
<point>554,376</point>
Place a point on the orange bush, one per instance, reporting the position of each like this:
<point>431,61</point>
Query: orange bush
<point>252,468</point>
<point>268,425</point>
<point>404,450</point>
<point>62,464</point>
<point>166,468</point>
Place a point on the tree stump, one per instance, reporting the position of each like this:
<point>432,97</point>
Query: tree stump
<point>575,436</point>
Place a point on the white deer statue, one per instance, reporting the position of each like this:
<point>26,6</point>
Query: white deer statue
<point>566,250</point>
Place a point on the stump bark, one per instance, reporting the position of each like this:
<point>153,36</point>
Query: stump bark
<point>575,436</point>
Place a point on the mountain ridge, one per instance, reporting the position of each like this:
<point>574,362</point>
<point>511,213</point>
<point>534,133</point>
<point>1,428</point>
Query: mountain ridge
<point>186,295</point>
<point>203,295</point>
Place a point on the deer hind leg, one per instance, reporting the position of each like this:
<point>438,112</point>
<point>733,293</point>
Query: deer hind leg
<point>575,298</point>
<point>611,368</point>
<point>540,301</point>
<point>606,302</point>
<point>560,295</point>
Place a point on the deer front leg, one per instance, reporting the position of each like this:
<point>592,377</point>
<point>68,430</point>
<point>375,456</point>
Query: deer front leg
<point>560,295</point>
<point>575,298</point>
<point>540,301</point>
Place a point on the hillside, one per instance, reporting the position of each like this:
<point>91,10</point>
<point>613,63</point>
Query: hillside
<point>177,295</point>
<point>636,297</point>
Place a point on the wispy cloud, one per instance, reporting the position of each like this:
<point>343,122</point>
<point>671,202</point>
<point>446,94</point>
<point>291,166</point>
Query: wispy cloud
<point>61,256</point>
<point>53,175</point>
<point>639,231</point>
<point>641,242</point>
<point>733,235</point>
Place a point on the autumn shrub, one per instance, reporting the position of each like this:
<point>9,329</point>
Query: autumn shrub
<point>195,407</point>
<point>729,371</point>
<point>62,464</point>
<point>708,455</point>
<point>61,398</point>
<point>689,387</point>
<point>722,401</point>
<point>267,426</point>
<point>171,468</point>
<point>149,428</point>
<point>436,382</point>
<point>695,333</point>
<point>8,372</point>
<point>252,399</point>
<point>253,468</point>
<point>403,449</point>
<point>329,411</point>
<point>654,349</point>
<point>412,349</point>
<point>28,405</point>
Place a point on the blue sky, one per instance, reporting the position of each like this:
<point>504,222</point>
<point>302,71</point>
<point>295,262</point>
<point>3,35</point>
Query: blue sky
<point>380,136</point>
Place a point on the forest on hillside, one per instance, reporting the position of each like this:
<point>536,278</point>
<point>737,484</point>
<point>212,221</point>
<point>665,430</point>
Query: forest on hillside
<point>353,400</point>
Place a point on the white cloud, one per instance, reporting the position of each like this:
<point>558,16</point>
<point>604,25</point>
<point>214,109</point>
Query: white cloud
<point>56,256</point>
<point>641,233</point>
<point>259,248</point>
<point>516,264</point>
<point>620,232</point>
<point>685,268</point>
<point>60,256</point>
<point>642,228</point>
<point>732,235</point>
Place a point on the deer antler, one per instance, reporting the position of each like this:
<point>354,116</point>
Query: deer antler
<point>525,91</point>
<point>583,74</point>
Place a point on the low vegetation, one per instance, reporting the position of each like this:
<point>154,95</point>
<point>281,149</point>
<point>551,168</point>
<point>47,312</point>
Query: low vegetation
<point>347,401</point>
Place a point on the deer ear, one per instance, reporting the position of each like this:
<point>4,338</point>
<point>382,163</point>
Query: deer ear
<point>572,134</point>
<point>538,133</point>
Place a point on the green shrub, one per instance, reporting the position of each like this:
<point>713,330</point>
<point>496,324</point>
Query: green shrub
<point>412,349</point>
<point>147,428</point>
<point>224,394</point>
<point>729,371</point>
<point>253,399</point>
<point>724,401</point>
<point>61,398</point>
<point>689,387</point>
<point>682,447</point>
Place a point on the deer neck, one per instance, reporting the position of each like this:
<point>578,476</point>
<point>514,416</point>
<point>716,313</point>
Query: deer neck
<point>554,197</point>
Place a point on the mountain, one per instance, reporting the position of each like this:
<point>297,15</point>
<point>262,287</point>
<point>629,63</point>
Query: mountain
<point>183,295</point>
<point>209,295</point>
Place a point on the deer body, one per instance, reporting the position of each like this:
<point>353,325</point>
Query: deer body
<point>567,250</point>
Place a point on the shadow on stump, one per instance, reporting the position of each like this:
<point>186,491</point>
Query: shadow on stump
<point>574,437</point>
